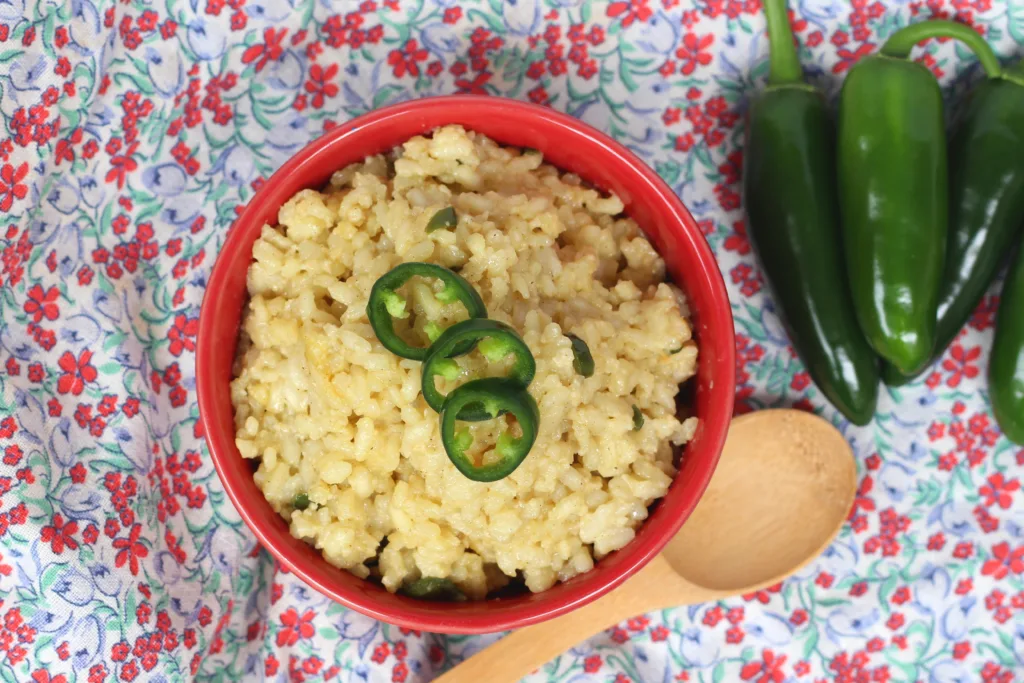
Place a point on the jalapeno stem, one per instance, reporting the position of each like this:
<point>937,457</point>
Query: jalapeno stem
<point>903,41</point>
<point>783,62</point>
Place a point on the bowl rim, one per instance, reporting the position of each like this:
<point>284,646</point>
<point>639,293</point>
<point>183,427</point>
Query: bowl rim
<point>719,315</point>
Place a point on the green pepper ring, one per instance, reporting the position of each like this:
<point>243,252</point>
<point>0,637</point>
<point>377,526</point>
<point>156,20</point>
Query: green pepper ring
<point>497,395</point>
<point>471,331</point>
<point>382,322</point>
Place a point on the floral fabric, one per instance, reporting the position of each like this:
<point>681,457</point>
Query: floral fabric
<point>132,133</point>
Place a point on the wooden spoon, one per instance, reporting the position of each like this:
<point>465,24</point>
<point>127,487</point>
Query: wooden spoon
<point>780,494</point>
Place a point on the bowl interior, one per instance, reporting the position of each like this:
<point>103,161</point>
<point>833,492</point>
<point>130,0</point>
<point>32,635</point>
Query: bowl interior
<point>572,146</point>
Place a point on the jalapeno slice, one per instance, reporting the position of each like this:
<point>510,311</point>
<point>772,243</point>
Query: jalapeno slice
<point>638,419</point>
<point>495,395</point>
<point>445,219</point>
<point>433,588</point>
<point>494,339</point>
<point>386,304</point>
<point>582,359</point>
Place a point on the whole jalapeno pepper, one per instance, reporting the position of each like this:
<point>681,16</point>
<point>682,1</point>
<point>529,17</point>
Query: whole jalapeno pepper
<point>789,186</point>
<point>1006,367</point>
<point>986,207</point>
<point>893,198</point>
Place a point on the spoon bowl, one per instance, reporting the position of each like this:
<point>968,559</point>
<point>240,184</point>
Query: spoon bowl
<point>779,495</point>
<point>781,492</point>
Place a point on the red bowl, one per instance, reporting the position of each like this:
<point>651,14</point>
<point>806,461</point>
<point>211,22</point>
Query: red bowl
<point>573,146</point>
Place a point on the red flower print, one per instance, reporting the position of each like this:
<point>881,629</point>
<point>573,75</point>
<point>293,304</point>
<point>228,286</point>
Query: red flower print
<point>404,61</point>
<point>578,53</point>
<point>11,187</point>
<point>799,617</point>
<point>592,664</point>
<point>961,650</point>
<point>587,69</point>
<point>269,49</point>
<point>727,199</point>
<point>476,86</point>
<point>739,242</point>
<point>659,634</point>
<point>999,491</point>
<point>538,95</point>
<point>847,58</point>
<point>959,363</point>
<point>637,623</point>
<point>800,381</point>
<point>400,672</point>
<point>13,455</point>
<point>108,405</point>
<point>130,550</point>
<point>380,653</point>
<point>182,334</point>
<point>683,143</point>
<point>630,11</point>
<point>734,635</point>
<point>59,535</point>
<point>297,627</point>
<point>77,373</point>
<point>19,513</point>
<point>319,84</point>
<point>54,407</point>
<point>8,427</point>
<point>121,165</point>
<point>713,616</point>
<point>452,15</point>
<point>312,665</point>
<point>769,669</point>
<point>42,676</point>
<point>130,671</point>
<point>691,52</point>
<point>1003,561</point>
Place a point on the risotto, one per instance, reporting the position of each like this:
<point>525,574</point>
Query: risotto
<point>348,450</point>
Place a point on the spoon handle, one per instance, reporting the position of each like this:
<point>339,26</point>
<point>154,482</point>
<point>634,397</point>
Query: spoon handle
<point>516,655</point>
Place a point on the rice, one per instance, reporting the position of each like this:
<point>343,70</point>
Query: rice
<point>329,413</point>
